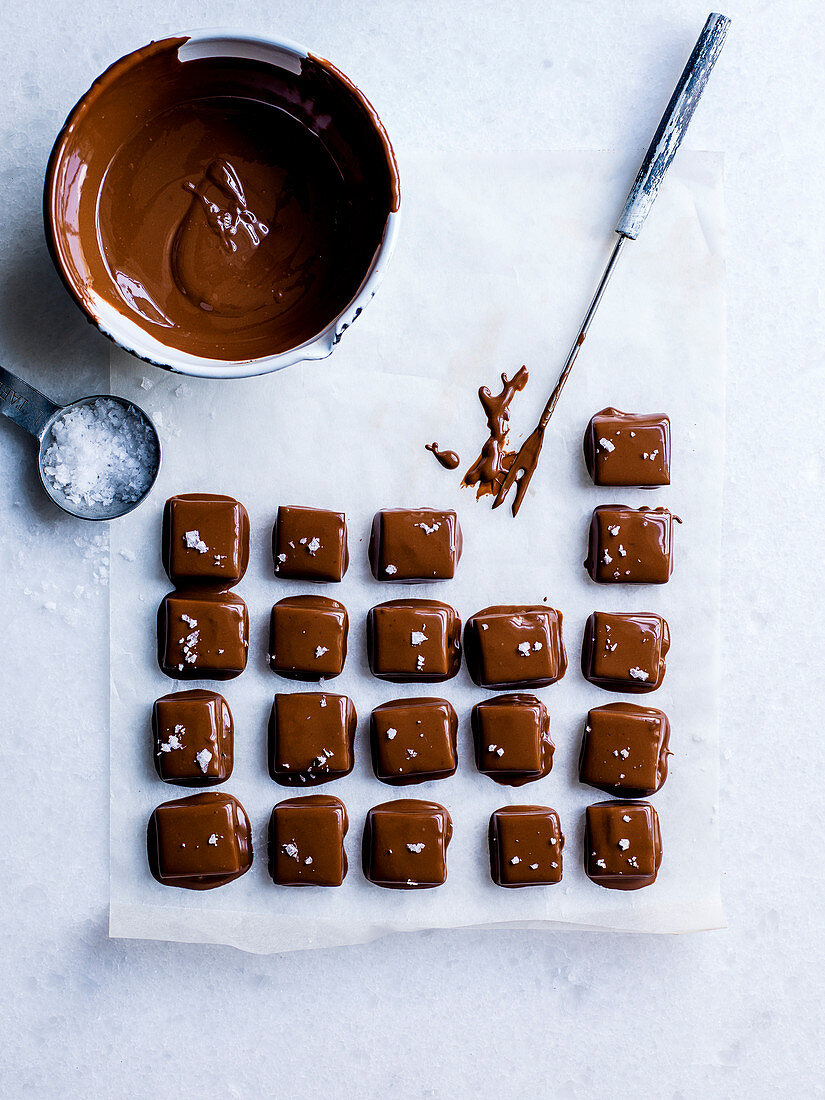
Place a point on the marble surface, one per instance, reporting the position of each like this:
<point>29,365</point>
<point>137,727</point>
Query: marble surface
<point>733,1013</point>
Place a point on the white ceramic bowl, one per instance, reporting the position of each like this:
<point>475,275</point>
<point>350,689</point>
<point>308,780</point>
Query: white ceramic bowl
<point>125,332</point>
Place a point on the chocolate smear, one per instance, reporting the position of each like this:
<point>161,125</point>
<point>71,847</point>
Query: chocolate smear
<point>490,468</point>
<point>448,459</point>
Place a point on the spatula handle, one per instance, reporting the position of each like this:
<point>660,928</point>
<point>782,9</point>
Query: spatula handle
<point>673,126</point>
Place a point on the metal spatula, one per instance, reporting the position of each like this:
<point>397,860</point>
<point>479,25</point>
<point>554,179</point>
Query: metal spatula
<point>657,160</point>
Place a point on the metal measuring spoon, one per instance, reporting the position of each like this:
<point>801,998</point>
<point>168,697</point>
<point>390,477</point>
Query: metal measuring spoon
<point>34,411</point>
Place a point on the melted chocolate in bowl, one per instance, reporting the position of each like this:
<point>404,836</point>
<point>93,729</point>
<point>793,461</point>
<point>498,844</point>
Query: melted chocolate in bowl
<point>230,208</point>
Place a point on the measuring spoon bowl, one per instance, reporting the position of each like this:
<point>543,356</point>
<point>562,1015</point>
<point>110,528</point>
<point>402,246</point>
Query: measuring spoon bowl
<point>36,413</point>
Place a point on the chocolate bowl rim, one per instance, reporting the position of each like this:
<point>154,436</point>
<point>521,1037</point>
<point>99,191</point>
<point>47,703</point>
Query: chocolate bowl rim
<point>147,348</point>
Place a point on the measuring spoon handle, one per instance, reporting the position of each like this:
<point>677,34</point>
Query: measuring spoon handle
<point>673,126</point>
<point>24,404</point>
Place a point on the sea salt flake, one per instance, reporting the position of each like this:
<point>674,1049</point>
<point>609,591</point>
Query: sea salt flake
<point>213,840</point>
<point>536,647</point>
<point>606,445</point>
<point>323,702</point>
<point>391,734</point>
<point>622,551</point>
<point>606,558</point>
<point>290,850</point>
<point>416,847</point>
<point>524,649</point>
<point>390,569</point>
<point>534,866</point>
<point>613,529</point>
<point>429,530</point>
<point>189,620</point>
<point>417,637</point>
<point>194,541</point>
<point>624,844</point>
<point>625,817</point>
<point>282,557</point>
<point>419,664</point>
<point>320,650</point>
<point>203,758</point>
<point>639,674</point>
<point>313,546</point>
<point>515,860</point>
<point>601,863</point>
<point>499,751</point>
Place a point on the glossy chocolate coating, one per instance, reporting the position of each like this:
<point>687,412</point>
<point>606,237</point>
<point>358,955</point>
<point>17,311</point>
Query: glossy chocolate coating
<point>622,845</point>
<point>515,647</point>
<point>525,846</point>
<point>405,844</point>
<point>229,208</point>
<point>306,841</point>
<point>414,740</point>
<point>628,449</point>
<point>625,750</point>
<point>414,545</point>
<point>202,635</point>
<point>310,544</point>
<point>630,545</point>
<point>193,738</point>
<point>205,539</point>
<point>625,651</point>
<point>511,735</point>
<point>414,641</point>
<point>199,842</point>
<point>311,738</point>
<point>308,637</point>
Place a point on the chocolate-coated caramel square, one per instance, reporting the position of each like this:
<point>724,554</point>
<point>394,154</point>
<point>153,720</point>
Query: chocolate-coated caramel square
<point>306,841</point>
<point>415,641</point>
<point>511,734</point>
<point>311,738</point>
<point>414,545</point>
<point>405,844</point>
<point>630,545</point>
<point>525,846</point>
<point>515,647</point>
<point>199,842</point>
<point>308,637</point>
<point>414,740</point>
<point>310,544</point>
<point>625,652</point>
<point>622,845</point>
<point>193,738</point>
<point>205,539</point>
<point>202,635</point>
<point>625,750</point>
<point>628,449</point>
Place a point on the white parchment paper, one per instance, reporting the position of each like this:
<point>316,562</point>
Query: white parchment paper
<point>497,259</point>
